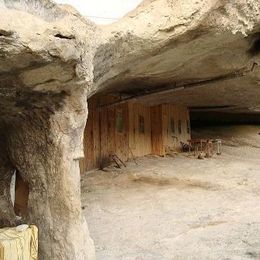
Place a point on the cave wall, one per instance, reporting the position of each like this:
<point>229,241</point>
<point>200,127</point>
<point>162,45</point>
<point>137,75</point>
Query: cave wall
<point>46,74</point>
<point>46,149</point>
<point>7,214</point>
<point>52,59</point>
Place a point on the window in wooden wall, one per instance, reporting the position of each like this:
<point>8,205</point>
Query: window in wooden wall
<point>172,125</point>
<point>141,125</point>
<point>179,127</point>
<point>188,126</point>
<point>119,121</point>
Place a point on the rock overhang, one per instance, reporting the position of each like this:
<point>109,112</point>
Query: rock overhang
<point>200,53</point>
<point>163,48</point>
<point>162,45</point>
<point>46,52</point>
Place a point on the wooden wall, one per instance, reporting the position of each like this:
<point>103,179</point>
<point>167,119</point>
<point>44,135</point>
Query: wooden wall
<point>112,140</point>
<point>139,141</point>
<point>91,138</point>
<point>172,134</point>
<point>101,137</point>
<point>116,130</point>
<point>169,128</point>
<point>157,130</point>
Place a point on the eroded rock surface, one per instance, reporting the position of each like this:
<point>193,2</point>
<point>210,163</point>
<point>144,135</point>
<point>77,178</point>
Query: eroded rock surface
<point>46,150</point>
<point>197,53</point>
<point>200,53</point>
<point>45,73</point>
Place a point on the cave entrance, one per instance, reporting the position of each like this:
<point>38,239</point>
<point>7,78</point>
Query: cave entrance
<point>19,192</point>
<point>21,195</point>
<point>130,129</point>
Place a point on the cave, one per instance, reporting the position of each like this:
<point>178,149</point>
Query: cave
<point>131,89</point>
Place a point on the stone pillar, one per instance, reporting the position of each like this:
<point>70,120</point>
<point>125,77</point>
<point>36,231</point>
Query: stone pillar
<point>7,215</point>
<point>46,148</point>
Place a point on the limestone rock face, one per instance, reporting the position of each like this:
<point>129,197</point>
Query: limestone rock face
<point>207,50</point>
<point>46,54</point>
<point>46,152</point>
<point>43,43</point>
<point>199,53</point>
<point>43,54</point>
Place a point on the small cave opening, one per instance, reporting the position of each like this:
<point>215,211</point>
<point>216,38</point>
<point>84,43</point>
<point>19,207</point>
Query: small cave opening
<point>255,47</point>
<point>70,37</point>
<point>19,192</point>
<point>21,196</point>
<point>4,33</point>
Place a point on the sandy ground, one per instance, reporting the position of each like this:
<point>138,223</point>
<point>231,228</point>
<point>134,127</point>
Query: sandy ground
<point>179,207</point>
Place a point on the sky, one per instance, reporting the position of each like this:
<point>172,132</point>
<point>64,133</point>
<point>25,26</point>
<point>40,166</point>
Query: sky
<point>102,11</point>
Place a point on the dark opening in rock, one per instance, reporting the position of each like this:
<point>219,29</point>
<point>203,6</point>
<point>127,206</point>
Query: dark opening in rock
<point>5,33</point>
<point>255,48</point>
<point>21,196</point>
<point>69,37</point>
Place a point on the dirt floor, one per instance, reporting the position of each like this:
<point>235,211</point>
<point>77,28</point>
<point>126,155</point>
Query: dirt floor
<point>180,207</point>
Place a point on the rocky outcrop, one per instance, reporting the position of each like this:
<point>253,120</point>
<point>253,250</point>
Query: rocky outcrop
<point>46,151</point>
<point>200,53</point>
<point>45,73</point>
<point>197,53</point>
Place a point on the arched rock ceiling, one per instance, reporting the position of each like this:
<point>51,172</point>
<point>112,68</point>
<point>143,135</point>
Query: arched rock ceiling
<point>199,53</point>
<point>195,52</point>
<point>46,53</point>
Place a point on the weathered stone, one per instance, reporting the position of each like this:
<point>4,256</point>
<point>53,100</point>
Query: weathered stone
<point>200,53</point>
<point>46,148</point>
<point>206,50</point>
<point>44,79</point>
<point>7,214</point>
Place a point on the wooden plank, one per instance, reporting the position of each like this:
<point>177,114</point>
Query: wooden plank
<point>173,136</point>
<point>121,138</point>
<point>131,130</point>
<point>165,127</point>
<point>111,131</point>
<point>139,142</point>
<point>96,134</point>
<point>156,131</point>
<point>104,152</point>
<point>148,130</point>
